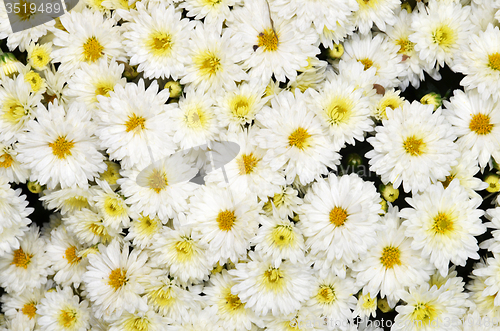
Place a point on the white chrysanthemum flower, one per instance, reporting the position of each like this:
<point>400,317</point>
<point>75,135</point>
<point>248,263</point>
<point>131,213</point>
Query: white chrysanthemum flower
<point>378,12</point>
<point>68,200</point>
<point>56,86</point>
<point>24,302</point>
<point>18,106</point>
<point>354,71</point>
<point>376,51</point>
<point>399,35</point>
<point>264,288</point>
<point>238,107</point>
<point>88,226</point>
<point>14,219</point>
<point>482,15</point>
<point>484,304</point>
<point>111,206</point>
<point>213,12</point>
<point>213,61</point>
<point>194,119</point>
<point>414,146</point>
<point>390,99</point>
<point>451,283</point>
<point>443,223</point>
<point>26,267</point>
<point>160,189</point>
<point>391,265</point>
<point>157,40</point>
<point>271,44</point>
<point>39,55</point>
<point>246,172</point>
<point>10,167</point>
<point>286,202</point>
<point>226,220</point>
<point>311,77</point>
<point>114,280</point>
<point>95,79</point>
<point>294,139</point>
<point>429,308</point>
<point>441,29</point>
<point>279,239</point>
<point>134,124</point>
<point>87,37</point>
<point>142,231</point>
<point>142,320</point>
<point>184,256</point>
<point>65,255</point>
<point>60,148</point>
<point>232,313</point>
<point>476,120</point>
<point>343,110</point>
<point>493,244</point>
<point>366,306</point>
<point>303,319</point>
<point>333,297</point>
<point>168,298</point>
<point>61,310</point>
<point>339,219</point>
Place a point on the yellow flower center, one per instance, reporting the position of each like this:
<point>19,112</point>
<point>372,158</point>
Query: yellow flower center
<point>443,224</point>
<point>14,111</point>
<point>92,49</point>
<point>338,216</point>
<point>480,124</point>
<point>103,90</point>
<point>61,148</point>
<point>29,310</point>
<point>405,46</point>
<point>273,279</point>
<point>137,324</point>
<point>113,206</point>
<point>268,39</point>
<point>6,160</point>
<point>367,3</point>
<point>444,36</point>
<point>112,173</point>
<point>21,259</point>
<point>160,43</point>
<point>34,80</point>
<point>157,181</point>
<point>366,62</point>
<point>71,256</point>
<point>494,61</point>
<point>39,57</point>
<point>326,294</point>
<point>162,297</point>
<point>208,63</point>
<point>299,138</point>
<point>339,110</point>
<point>67,318</point>
<point>369,302</point>
<point>448,180</point>
<point>283,235</point>
<point>25,13</point>
<point>424,312</point>
<point>134,122</point>
<point>226,220</point>
<point>117,278</point>
<point>390,257</point>
<point>211,2</point>
<point>77,202</point>
<point>148,226</point>
<point>240,106</point>
<point>195,118</point>
<point>246,163</point>
<point>232,302</point>
<point>414,146</point>
<point>184,249</point>
<point>98,229</point>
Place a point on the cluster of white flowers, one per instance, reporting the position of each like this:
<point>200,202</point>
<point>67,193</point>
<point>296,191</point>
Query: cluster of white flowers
<point>113,108</point>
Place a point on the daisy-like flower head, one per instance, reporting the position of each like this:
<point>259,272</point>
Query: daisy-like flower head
<point>142,231</point>
<point>476,120</point>
<point>213,61</point>
<point>233,314</point>
<point>339,218</point>
<point>60,148</point>
<point>168,298</point>
<point>343,110</point>
<point>426,307</point>
<point>68,200</point>
<point>271,44</point>
<point>112,206</point>
<point>226,219</point>
<point>160,189</point>
<point>443,223</point>
<point>24,302</point>
<point>194,119</point>
<point>61,310</point>
<point>213,12</point>
<point>39,55</point>
<point>286,202</point>
<point>148,320</point>
<point>376,51</point>
<point>157,40</point>
<point>294,139</point>
<point>391,265</point>
<point>483,303</point>
<point>87,37</point>
<point>264,288</point>
<point>441,29</point>
<point>134,124</point>
<point>390,99</point>
<point>114,280</point>
<point>27,266</point>
<point>95,79</point>
<point>88,227</point>
<point>378,12</point>
<point>18,106</point>
<point>414,146</point>
<point>185,256</point>
<point>366,306</point>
